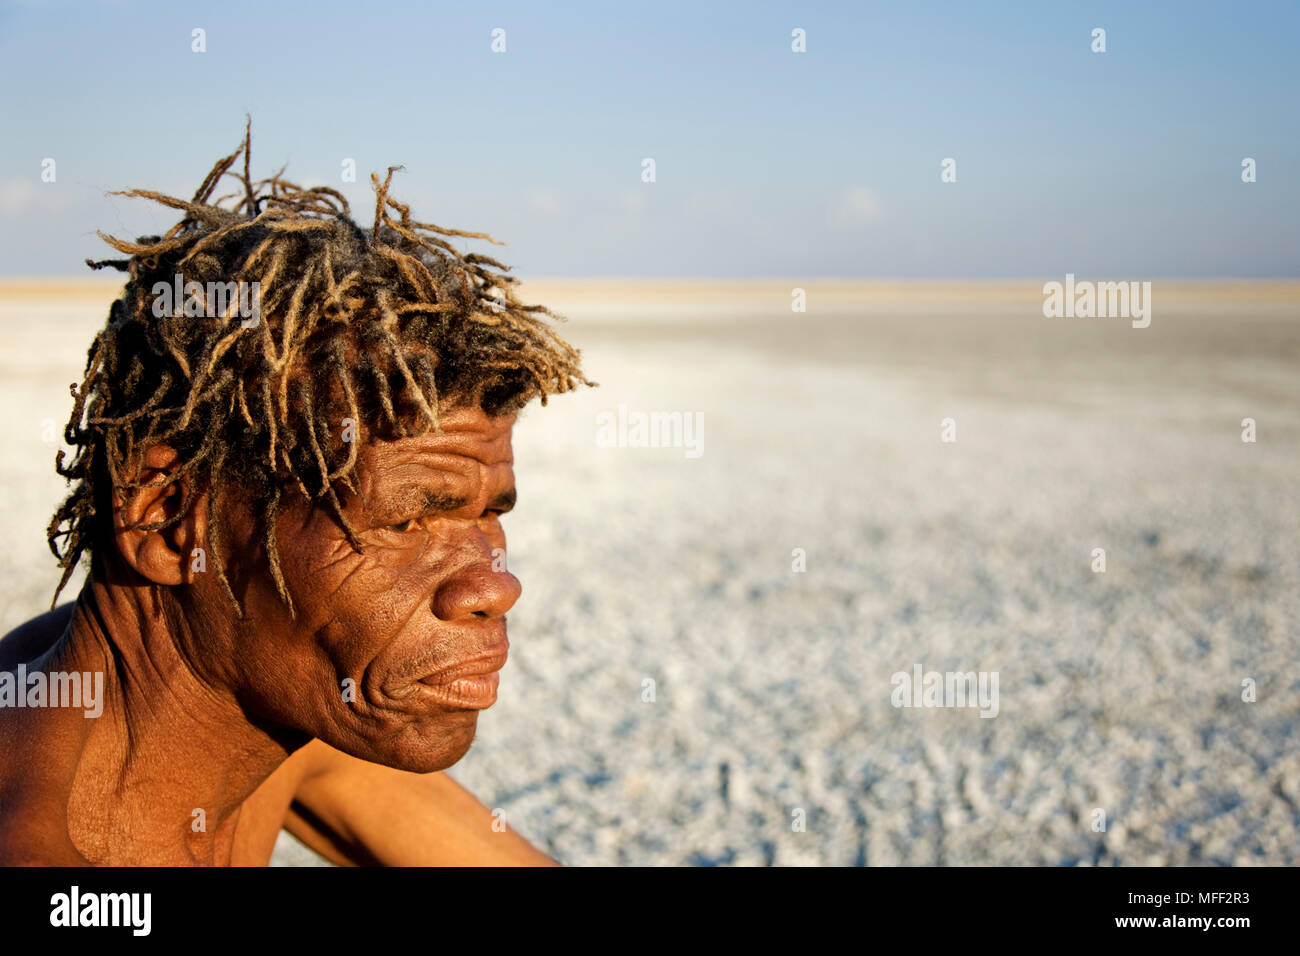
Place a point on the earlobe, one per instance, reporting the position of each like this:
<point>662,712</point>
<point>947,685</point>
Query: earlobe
<point>158,554</point>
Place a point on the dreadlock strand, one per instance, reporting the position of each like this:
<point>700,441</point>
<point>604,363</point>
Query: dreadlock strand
<point>210,181</point>
<point>386,326</point>
<point>273,547</point>
<point>381,196</point>
<point>214,544</point>
<point>413,323</point>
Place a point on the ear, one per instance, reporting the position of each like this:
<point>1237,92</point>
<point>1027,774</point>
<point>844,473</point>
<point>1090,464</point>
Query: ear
<point>160,555</point>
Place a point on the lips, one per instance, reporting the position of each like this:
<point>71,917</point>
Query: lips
<point>467,684</point>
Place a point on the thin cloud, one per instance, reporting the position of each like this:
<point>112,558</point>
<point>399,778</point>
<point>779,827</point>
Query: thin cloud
<point>857,206</point>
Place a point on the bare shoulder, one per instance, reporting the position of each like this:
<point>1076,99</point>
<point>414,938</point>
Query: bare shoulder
<point>33,759</point>
<point>33,638</point>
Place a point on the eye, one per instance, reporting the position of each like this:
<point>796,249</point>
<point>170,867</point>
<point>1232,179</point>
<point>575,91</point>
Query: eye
<point>406,525</point>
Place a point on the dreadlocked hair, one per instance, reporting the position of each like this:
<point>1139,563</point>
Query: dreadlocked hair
<point>387,326</point>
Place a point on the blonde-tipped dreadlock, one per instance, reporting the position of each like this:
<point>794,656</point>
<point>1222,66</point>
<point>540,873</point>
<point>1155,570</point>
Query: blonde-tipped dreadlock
<point>386,327</point>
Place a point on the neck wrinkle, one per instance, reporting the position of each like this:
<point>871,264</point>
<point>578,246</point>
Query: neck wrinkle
<point>168,742</point>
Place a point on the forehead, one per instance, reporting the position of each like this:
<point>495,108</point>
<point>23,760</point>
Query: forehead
<point>471,448</point>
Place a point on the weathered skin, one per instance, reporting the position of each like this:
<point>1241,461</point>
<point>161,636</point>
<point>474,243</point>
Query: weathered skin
<point>245,719</point>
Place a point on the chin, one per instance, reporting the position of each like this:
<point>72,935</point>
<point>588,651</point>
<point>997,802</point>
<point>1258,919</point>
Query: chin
<point>426,746</point>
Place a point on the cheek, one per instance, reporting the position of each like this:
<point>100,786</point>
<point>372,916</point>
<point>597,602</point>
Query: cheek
<point>358,604</point>
<point>329,576</point>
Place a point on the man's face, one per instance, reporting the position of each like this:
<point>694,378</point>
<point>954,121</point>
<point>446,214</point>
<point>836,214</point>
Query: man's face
<point>394,650</point>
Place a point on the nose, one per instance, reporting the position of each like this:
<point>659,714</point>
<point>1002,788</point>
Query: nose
<point>476,591</point>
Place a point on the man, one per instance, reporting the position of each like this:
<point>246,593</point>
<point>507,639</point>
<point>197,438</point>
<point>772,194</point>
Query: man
<point>291,502</point>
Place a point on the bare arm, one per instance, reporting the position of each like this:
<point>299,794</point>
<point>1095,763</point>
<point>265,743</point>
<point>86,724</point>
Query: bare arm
<point>357,813</point>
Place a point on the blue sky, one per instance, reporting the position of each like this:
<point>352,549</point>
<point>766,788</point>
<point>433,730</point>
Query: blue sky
<point>768,163</point>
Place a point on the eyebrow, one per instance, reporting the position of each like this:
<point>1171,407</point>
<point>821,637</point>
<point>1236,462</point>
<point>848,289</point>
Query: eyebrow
<point>504,501</point>
<point>417,499</point>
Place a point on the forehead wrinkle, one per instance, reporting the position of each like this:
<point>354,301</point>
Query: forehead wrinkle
<point>486,444</point>
<point>463,458</point>
<point>421,481</point>
<point>444,458</point>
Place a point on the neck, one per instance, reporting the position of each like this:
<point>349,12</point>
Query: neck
<point>163,772</point>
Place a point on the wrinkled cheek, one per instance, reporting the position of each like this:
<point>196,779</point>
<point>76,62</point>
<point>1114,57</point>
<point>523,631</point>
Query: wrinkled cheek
<point>373,696</point>
<point>363,605</point>
<point>385,593</point>
<point>413,580</point>
<point>370,609</point>
<point>346,584</point>
<point>381,697</point>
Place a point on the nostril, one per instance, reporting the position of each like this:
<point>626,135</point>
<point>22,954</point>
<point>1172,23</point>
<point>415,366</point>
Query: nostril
<point>474,592</point>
